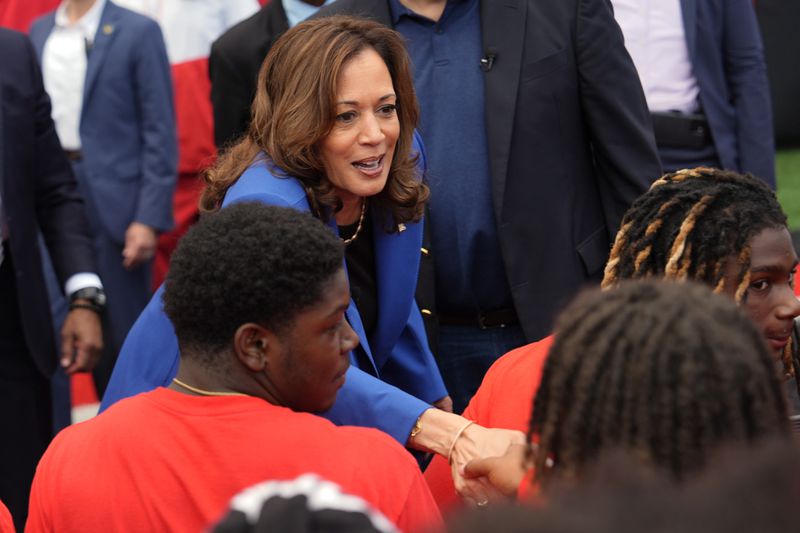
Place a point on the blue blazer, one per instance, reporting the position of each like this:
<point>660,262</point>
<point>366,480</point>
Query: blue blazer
<point>727,58</point>
<point>408,378</point>
<point>127,127</point>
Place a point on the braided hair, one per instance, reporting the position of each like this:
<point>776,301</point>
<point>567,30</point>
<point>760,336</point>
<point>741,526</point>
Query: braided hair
<point>667,371</point>
<point>689,225</point>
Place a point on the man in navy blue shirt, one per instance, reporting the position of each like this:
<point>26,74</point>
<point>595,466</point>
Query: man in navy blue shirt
<point>538,139</point>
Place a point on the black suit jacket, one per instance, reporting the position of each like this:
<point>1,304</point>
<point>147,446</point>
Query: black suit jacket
<point>570,142</point>
<point>38,191</point>
<point>233,65</point>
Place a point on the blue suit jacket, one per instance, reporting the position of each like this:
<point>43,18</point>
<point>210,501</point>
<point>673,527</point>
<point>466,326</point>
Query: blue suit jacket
<point>727,58</point>
<point>398,350</point>
<point>127,123</point>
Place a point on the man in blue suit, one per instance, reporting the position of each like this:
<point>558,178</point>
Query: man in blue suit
<point>108,75</point>
<point>703,71</point>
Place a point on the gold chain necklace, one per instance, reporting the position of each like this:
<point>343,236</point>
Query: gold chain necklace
<point>204,392</point>
<point>360,223</point>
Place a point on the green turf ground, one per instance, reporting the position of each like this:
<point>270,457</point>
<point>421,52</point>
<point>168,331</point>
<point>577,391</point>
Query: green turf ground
<point>788,170</point>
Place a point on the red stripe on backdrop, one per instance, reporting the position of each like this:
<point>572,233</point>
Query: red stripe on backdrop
<point>83,390</point>
<point>194,116</point>
<point>18,14</point>
<point>195,120</point>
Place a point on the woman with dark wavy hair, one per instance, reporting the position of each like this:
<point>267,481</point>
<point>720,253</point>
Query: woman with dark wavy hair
<point>335,109</point>
<point>333,134</point>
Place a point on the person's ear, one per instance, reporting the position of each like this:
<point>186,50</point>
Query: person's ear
<point>254,346</point>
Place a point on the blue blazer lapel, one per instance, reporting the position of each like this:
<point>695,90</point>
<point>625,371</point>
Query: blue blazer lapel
<point>106,32</point>
<point>396,267</point>
<point>354,319</point>
<point>40,32</point>
<point>689,12</point>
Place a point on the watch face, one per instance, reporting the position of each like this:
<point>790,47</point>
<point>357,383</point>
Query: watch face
<point>93,294</point>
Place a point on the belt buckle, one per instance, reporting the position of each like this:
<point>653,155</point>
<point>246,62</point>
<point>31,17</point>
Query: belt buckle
<point>483,325</point>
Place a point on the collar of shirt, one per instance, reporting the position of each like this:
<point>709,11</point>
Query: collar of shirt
<point>298,11</point>
<point>88,23</point>
<point>398,9</point>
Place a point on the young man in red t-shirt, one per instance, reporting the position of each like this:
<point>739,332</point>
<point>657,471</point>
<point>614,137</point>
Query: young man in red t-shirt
<point>257,296</point>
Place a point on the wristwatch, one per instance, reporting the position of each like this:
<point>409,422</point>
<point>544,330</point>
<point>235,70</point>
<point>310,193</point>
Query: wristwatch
<point>94,296</point>
<point>416,429</point>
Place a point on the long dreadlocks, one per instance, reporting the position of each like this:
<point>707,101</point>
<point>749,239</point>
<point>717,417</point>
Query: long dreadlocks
<point>689,224</point>
<point>666,370</point>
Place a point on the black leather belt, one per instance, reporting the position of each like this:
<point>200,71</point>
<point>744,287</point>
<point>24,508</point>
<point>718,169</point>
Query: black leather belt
<point>681,130</point>
<point>492,319</point>
<point>73,155</point>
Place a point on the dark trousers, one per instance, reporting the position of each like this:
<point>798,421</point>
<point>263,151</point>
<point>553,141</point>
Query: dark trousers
<point>467,352</point>
<point>25,404</point>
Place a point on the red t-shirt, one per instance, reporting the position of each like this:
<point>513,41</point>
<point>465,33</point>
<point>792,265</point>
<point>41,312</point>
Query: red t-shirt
<point>167,461</point>
<point>6,522</point>
<point>504,400</point>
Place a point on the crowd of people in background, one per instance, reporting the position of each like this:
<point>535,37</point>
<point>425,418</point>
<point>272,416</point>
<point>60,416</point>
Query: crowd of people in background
<point>353,265</point>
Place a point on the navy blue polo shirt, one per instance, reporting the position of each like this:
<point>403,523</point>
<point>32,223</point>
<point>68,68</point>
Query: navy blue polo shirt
<point>470,276</point>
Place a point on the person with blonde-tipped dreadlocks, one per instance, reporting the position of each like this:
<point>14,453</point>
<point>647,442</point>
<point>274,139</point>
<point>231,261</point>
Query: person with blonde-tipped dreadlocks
<point>721,228</point>
<point>724,229</point>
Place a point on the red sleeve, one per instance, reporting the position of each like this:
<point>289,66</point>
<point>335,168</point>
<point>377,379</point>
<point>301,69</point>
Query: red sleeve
<point>6,522</point>
<point>420,513</point>
<point>38,518</point>
<point>516,376</point>
<point>440,483</point>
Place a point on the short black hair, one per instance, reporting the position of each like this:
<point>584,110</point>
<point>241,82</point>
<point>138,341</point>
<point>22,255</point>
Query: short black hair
<point>247,263</point>
<point>667,370</point>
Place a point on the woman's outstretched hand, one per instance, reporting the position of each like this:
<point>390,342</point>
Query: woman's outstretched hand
<point>491,454</point>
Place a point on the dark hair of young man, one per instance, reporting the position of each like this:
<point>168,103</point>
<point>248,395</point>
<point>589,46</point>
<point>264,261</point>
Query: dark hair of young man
<point>246,263</point>
<point>668,371</point>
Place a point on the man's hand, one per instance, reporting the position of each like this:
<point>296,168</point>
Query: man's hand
<point>504,473</point>
<point>445,404</point>
<point>81,341</point>
<point>140,245</point>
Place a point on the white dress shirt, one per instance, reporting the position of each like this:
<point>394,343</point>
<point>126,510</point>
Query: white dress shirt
<point>64,62</point>
<point>656,40</point>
